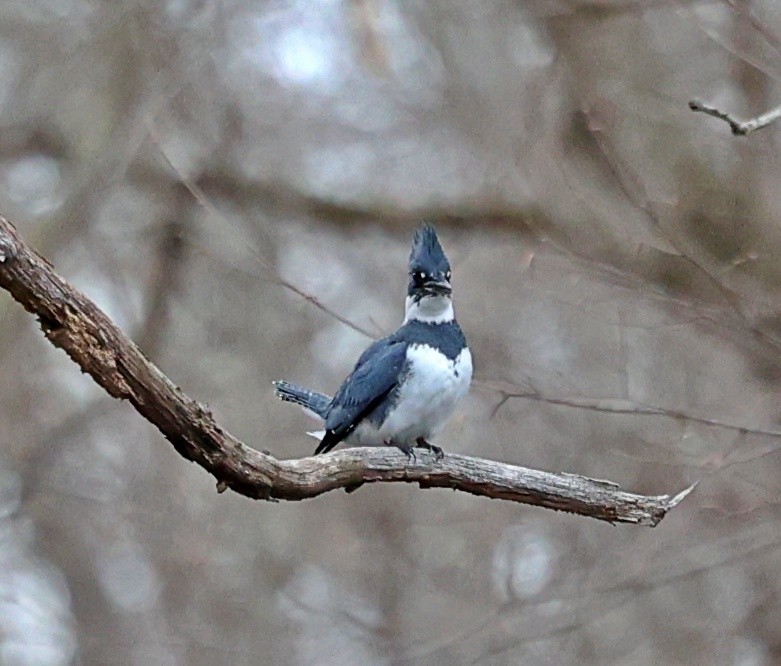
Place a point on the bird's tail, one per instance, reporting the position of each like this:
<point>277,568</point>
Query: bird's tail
<point>314,402</point>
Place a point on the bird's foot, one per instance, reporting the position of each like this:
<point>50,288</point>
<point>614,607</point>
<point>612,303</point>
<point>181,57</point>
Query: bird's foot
<point>423,444</point>
<point>407,450</point>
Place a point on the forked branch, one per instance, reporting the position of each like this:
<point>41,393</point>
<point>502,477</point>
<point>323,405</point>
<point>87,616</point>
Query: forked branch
<point>72,322</point>
<point>738,127</point>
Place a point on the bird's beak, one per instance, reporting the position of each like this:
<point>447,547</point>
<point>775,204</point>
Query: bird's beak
<point>438,287</point>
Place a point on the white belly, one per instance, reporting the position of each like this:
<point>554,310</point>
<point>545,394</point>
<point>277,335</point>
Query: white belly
<point>426,400</point>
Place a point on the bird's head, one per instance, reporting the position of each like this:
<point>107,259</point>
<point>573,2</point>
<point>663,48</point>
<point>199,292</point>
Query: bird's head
<point>428,291</point>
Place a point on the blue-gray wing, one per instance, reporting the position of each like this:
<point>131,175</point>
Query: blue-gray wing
<point>375,375</point>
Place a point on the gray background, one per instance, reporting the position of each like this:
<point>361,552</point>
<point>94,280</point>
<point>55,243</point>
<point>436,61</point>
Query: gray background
<point>182,161</point>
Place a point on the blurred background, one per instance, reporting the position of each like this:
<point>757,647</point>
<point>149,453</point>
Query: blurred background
<point>236,183</point>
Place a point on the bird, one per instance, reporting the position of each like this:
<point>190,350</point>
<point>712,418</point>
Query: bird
<point>404,387</point>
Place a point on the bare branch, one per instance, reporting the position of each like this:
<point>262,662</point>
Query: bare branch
<point>75,324</point>
<point>632,186</point>
<point>739,127</point>
<point>618,406</point>
<point>200,197</point>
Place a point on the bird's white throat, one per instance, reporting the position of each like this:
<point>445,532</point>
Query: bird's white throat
<point>429,309</point>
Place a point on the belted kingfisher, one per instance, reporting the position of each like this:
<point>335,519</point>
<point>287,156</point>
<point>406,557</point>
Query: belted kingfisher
<point>404,387</point>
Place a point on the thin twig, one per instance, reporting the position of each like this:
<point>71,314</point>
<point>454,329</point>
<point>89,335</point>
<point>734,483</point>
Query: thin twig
<point>200,197</point>
<point>739,127</point>
<point>72,322</point>
<point>632,187</point>
<point>622,407</point>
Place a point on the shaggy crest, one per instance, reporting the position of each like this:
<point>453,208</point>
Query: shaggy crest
<point>427,254</point>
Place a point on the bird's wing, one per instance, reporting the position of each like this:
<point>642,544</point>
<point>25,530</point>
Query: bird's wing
<point>374,377</point>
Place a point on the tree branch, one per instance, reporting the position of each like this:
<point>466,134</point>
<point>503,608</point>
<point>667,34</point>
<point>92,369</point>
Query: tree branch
<point>75,324</point>
<point>617,406</point>
<point>739,127</point>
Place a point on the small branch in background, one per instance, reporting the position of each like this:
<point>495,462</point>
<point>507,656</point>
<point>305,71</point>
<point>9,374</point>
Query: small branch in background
<point>621,406</point>
<point>739,127</point>
<point>200,197</point>
<point>164,282</point>
<point>72,322</point>
<point>632,185</point>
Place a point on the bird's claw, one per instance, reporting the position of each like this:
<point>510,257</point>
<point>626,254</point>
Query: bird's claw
<point>407,451</point>
<point>423,444</point>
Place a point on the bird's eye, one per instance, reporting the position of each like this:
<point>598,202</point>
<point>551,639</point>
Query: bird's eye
<point>418,276</point>
<point>447,276</point>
